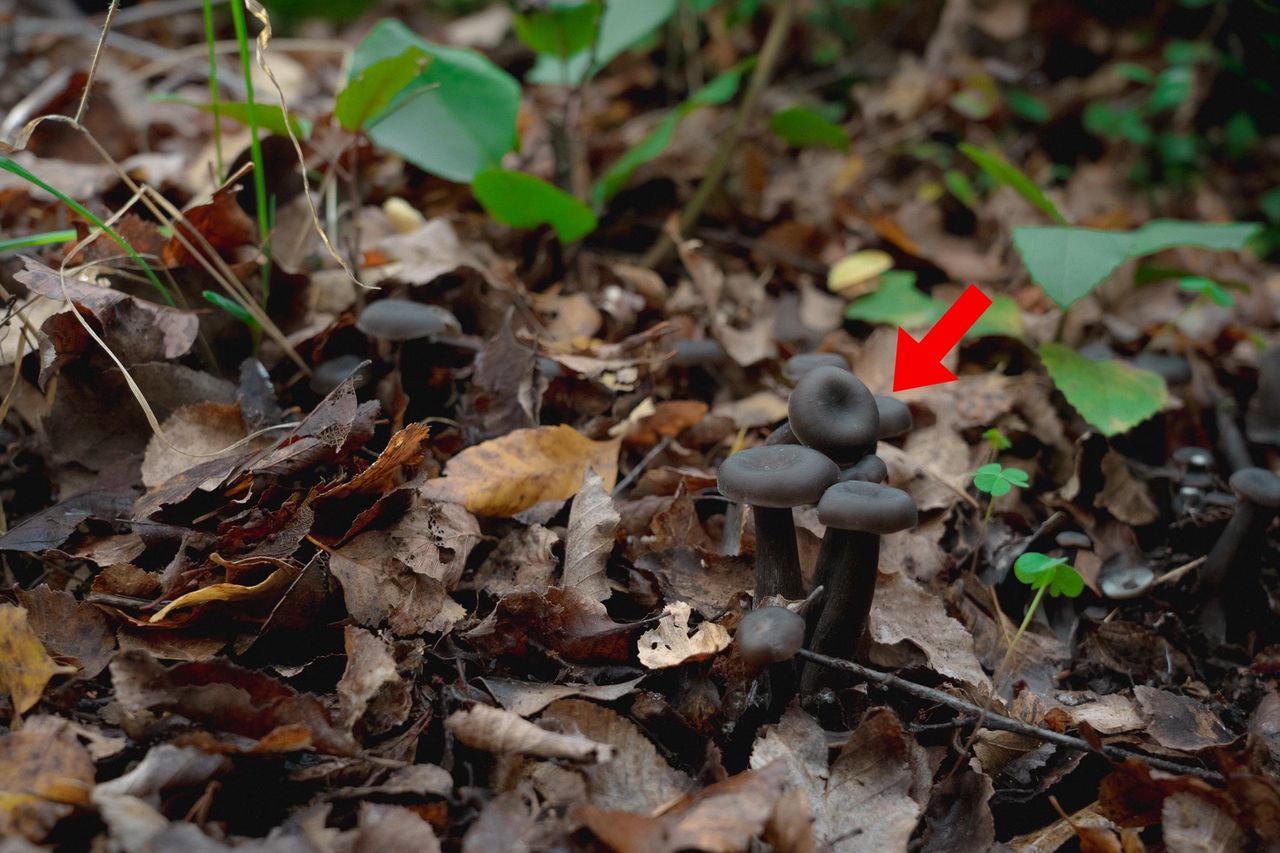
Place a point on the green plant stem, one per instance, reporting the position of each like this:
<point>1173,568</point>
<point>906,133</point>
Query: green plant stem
<point>10,166</point>
<point>31,241</point>
<point>770,52</point>
<point>1022,629</point>
<point>982,532</point>
<point>210,36</point>
<point>255,144</point>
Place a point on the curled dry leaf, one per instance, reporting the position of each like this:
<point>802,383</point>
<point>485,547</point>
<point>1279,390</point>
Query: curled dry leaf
<point>498,731</point>
<point>508,475</point>
<point>593,522</point>
<point>25,666</point>
<point>671,643</point>
<point>371,687</point>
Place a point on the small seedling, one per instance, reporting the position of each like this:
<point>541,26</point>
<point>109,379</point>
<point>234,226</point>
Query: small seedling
<point>1206,288</point>
<point>1042,572</point>
<point>996,441</point>
<point>996,481</point>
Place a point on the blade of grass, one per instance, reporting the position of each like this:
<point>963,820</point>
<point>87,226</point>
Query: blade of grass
<point>255,144</point>
<point>210,36</point>
<point>31,241</point>
<point>12,167</point>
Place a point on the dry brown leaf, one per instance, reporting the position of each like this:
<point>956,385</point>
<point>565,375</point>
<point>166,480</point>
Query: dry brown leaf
<point>593,523</point>
<point>527,698</point>
<point>378,587</point>
<point>1179,722</point>
<point>1194,825</point>
<point>70,628</point>
<point>498,731</point>
<point>44,771</point>
<point>435,540</point>
<point>371,687</point>
<point>671,643</point>
<point>510,474</point>
<point>25,667</point>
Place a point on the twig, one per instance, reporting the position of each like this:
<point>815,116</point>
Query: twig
<point>93,64</point>
<point>635,472</point>
<point>992,720</point>
<point>769,55</point>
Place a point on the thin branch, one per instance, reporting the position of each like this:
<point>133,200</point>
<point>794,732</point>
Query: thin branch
<point>770,52</point>
<point>991,720</point>
<point>93,65</point>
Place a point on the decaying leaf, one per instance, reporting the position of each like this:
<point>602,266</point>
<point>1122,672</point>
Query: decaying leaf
<point>44,771</point>
<point>508,475</point>
<point>593,523</point>
<point>25,667</point>
<point>499,731</point>
<point>672,643</point>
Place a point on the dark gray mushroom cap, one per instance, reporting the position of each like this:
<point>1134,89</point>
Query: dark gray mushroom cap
<point>405,320</point>
<point>329,374</point>
<point>867,508</point>
<point>1258,486</point>
<point>895,417</point>
<point>1072,539</point>
<point>696,352</point>
<point>869,469</point>
<point>1124,582</point>
<point>798,365</point>
<point>770,635</point>
<point>780,475</point>
<point>1173,368</point>
<point>1195,465</point>
<point>832,411</point>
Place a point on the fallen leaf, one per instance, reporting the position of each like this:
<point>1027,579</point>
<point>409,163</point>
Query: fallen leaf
<point>70,628</point>
<point>386,828</point>
<point>527,698</point>
<point>1194,825</point>
<point>1179,722</point>
<point>858,268</point>
<point>44,771</point>
<point>570,624</point>
<point>371,687</point>
<point>510,474</point>
<point>25,667</point>
<point>498,731</point>
<point>672,643</point>
<point>593,523</point>
<point>379,588</point>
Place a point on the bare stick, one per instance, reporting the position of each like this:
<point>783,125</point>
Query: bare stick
<point>93,65</point>
<point>769,55</point>
<point>992,720</point>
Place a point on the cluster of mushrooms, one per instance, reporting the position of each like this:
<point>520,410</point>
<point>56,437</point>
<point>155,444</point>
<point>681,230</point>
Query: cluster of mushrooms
<point>823,455</point>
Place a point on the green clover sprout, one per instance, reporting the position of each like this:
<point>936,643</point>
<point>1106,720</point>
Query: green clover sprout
<point>1043,574</point>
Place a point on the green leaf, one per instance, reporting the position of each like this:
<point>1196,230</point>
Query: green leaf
<point>1171,89</point>
<point>270,117</point>
<point>997,439</point>
<point>996,480</point>
<point>1002,319</point>
<point>371,90</point>
<point>1070,262</point>
<point>1038,570</point>
<point>958,183</point>
<point>235,309</point>
<point>718,91</point>
<point>623,24</point>
<point>1112,122</point>
<point>561,29</point>
<point>31,241</point>
<point>453,120</point>
<point>1113,397</point>
<point>1133,72</point>
<point>1004,172</point>
<point>895,302</point>
<point>523,201</point>
<point>1208,288</point>
<point>801,127</point>
<point>1026,105</point>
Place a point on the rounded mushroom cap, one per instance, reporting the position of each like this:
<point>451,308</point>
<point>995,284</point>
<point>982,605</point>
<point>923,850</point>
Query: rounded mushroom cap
<point>798,365</point>
<point>1195,465</point>
<point>832,411</point>
<point>1072,539</point>
<point>1123,582</point>
<point>1258,486</point>
<point>769,635</point>
<point>867,508</point>
<point>895,417</point>
<point>869,469</point>
<point>406,320</point>
<point>329,374</point>
<point>780,475</point>
<point>696,352</point>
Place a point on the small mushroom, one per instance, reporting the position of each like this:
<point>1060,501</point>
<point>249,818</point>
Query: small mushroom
<point>868,469</point>
<point>1262,418</point>
<point>895,417</point>
<point>399,320</point>
<point>696,352</point>
<point>1194,466</point>
<point>769,635</point>
<point>856,514</point>
<point>833,412</point>
<point>1235,559</point>
<point>798,365</point>
<point>772,480</point>
<point>1125,579</point>
<point>329,374</point>
<point>1073,540</point>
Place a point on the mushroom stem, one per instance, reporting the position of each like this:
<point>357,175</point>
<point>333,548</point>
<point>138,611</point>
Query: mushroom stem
<point>1229,574</point>
<point>847,566</point>
<point>1244,534</point>
<point>777,559</point>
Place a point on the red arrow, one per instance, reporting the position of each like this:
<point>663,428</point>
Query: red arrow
<point>919,363</point>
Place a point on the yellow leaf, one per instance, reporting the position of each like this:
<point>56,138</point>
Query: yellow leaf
<point>276,583</point>
<point>25,667</point>
<point>858,268</point>
<point>525,467</point>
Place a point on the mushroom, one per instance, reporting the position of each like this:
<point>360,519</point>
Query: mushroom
<point>1123,579</point>
<point>329,374</point>
<point>856,514</point>
<point>1236,556</point>
<point>869,469</point>
<point>769,635</point>
<point>1194,466</point>
<point>696,352</point>
<point>798,365</point>
<point>772,480</point>
<point>895,417</point>
<point>399,320</point>
<point>1262,418</point>
<point>831,411</point>
<point>1172,368</point>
